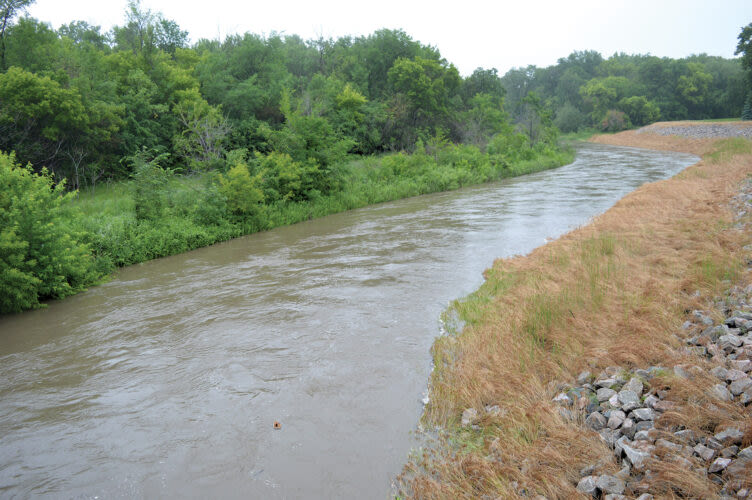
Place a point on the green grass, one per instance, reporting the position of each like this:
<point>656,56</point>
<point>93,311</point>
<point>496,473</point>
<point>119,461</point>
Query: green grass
<point>106,217</point>
<point>728,148</point>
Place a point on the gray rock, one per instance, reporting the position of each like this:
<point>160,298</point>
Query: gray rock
<point>614,401</point>
<point>596,421</point>
<point>719,391</point>
<point>668,445</point>
<point>745,453</point>
<point>729,342</point>
<point>584,377</point>
<point>641,414</point>
<point>739,469</point>
<point>628,428</point>
<point>494,410</point>
<point>643,436</point>
<point>623,474</point>
<point>704,452</point>
<point>715,332</point>
<point>469,417</point>
<point>614,496</point>
<point>650,401</point>
<point>607,383</point>
<point>645,425</point>
<point>610,484</point>
<point>719,464</point>
<point>645,496</point>
<point>714,444</point>
<point>587,485</point>
<point>743,365</point>
<point>634,385</point>
<point>629,400</point>
<point>609,436</point>
<point>731,435</point>
<point>604,393</point>
<point>730,451</point>
<point>616,418</point>
<point>746,397</point>
<point>734,375</point>
<point>637,455</point>
<point>563,399</point>
<point>679,371</point>
<point>719,372</point>
<point>687,436</point>
<point>739,386</point>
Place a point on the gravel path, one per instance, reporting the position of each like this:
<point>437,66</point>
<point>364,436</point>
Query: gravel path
<point>702,131</point>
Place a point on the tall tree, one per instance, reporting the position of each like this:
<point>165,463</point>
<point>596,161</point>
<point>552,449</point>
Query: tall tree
<point>8,10</point>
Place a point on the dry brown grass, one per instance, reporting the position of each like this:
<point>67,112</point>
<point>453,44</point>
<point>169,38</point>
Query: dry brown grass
<point>612,293</point>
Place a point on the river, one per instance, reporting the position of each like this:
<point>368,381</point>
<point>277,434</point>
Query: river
<point>166,381</point>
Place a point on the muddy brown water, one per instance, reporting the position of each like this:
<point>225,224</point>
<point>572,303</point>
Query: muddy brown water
<point>166,381</point>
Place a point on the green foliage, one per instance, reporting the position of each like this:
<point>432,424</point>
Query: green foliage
<point>40,256</point>
<point>747,110</point>
<point>243,193</point>
<point>639,110</point>
<point>615,121</point>
<point>569,118</point>
<point>150,185</point>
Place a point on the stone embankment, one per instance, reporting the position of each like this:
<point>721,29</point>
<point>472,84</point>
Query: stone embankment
<point>625,407</point>
<point>701,130</point>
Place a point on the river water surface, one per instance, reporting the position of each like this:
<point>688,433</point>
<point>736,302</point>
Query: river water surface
<point>165,382</point>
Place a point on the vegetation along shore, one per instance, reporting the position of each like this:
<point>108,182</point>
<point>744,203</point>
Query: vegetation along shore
<point>131,144</point>
<point>614,361</point>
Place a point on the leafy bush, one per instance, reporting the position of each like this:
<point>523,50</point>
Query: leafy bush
<point>569,118</point>
<point>243,192</point>
<point>150,183</point>
<point>615,121</point>
<point>639,110</point>
<point>40,256</point>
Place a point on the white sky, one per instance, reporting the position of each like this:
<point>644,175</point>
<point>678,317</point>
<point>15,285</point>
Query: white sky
<point>468,33</point>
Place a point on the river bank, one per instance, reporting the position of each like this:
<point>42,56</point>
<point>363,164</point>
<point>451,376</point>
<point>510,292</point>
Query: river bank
<point>515,392</point>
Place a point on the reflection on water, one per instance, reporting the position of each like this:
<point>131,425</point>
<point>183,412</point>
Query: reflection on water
<point>165,382</point>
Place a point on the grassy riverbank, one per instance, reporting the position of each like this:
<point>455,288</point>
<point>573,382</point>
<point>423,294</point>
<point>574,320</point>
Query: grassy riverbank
<point>159,213</point>
<point>612,293</point>
<point>109,216</point>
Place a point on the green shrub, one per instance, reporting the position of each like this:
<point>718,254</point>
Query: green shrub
<point>615,121</point>
<point>150,185</point>
<point>242,192</point>
<point>40,255</point>
<point>569,119</point>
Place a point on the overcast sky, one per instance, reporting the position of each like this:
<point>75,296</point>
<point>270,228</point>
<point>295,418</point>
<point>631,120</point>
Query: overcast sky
<point>470,33</point>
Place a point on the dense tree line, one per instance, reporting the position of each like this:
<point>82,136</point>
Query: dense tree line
<point>82,102</point>
<point>585,90</point>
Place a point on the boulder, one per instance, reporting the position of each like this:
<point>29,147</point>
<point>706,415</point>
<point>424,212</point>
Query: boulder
<point>641,414</point>
<point>469,417</point>
<point>719,391</point>
<point>629,400</point>
<point>704,452</point>
<point>587,485</point>
<point>634,385</point>
<point>739,386</point>
<point>730,435</point>
<point>596,421</point>
<point>604,393</point>
<point>610,484</point>
<point>719,464</point>
<point>616,418</point>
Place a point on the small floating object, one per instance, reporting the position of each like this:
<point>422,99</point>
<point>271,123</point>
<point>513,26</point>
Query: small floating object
<point>277,425</point>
